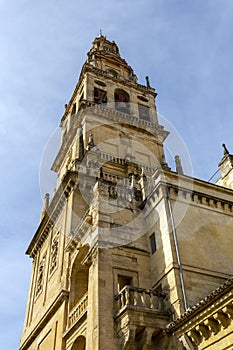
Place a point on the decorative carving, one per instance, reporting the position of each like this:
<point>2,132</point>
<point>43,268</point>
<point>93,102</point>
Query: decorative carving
<point>54,253</point>
<point>129,339</point>
<point>40,276</point>
<point>112,192</point>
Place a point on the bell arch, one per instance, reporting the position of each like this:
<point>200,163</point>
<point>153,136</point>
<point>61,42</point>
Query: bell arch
<point>122,99</point>
<point>79,344</point>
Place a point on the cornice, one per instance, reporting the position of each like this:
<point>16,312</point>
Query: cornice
<point>60,197</point>
<point>119,79</point>
<point>115,116</point>
<point>195,190</point>
<point>217,297</point>
<point>99,72</point>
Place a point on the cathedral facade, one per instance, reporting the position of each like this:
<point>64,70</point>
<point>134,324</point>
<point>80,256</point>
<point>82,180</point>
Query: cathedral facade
<point>128,252</point>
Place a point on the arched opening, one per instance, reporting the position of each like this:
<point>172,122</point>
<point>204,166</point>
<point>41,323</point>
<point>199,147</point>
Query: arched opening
<point>79,344</point>
<point>144,112</point>
<point>121,99</point>
<point>79,278</point>
<point>100,96</point>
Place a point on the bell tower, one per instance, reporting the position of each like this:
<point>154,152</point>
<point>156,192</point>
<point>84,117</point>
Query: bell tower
<point>91,285</point>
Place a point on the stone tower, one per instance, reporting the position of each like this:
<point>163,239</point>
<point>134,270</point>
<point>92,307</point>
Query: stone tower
<point>111,256</point>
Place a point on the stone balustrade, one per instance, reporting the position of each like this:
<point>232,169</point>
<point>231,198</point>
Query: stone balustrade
<point>121,161</point>
<point>78,311</point>
<point>212,325</point>
<point>110,112</point>
<point>139,298</point>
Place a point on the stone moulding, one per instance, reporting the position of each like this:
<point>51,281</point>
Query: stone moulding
<point>89,68</point>
<point>208,317</point>
<point>55,208</point>
<point>186,191</point>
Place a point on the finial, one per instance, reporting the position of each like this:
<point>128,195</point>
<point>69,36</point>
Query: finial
<point>179,168</point>
<point>225,150</point>
<point>101,32</point>
<point>147,82</point>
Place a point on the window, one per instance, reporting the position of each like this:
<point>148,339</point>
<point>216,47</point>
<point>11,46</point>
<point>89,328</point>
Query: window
<point>144,112</point>
<point>79,344</point>
<point>100,96</point>
<point>122,277</point>
<point>121,98</point>
<point>79,278</point>
<point>153,243</point>
<point>124,281</point>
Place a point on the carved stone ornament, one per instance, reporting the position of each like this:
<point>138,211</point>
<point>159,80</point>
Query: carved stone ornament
<point>54,253</point>
<point>40,276</point>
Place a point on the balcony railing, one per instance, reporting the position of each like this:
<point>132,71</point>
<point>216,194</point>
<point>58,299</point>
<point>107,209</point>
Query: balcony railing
<point>107,157</point>
<point>128,117</point>
<point>139,298</point>
<point>79,310</point>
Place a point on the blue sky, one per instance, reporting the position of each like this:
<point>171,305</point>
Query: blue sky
<point>186,48</point>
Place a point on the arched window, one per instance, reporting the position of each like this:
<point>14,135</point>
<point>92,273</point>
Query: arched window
<point>144,112</point>
<point>79,344</point>
<point>121,99</point>
<point>100,96</point>
<point>79,278</point>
